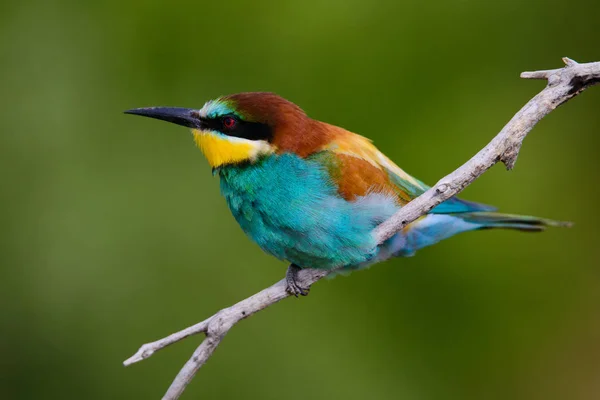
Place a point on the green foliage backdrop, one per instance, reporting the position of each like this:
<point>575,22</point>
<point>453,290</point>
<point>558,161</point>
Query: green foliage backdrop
<point>113,232</point>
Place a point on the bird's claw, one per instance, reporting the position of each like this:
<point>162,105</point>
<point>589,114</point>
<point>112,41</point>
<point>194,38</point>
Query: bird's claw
<point>291,278</point>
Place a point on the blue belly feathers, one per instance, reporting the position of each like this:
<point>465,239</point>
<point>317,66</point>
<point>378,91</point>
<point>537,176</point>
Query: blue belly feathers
<point>290,207</point>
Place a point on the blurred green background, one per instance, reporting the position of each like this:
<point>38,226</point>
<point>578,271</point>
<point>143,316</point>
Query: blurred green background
<point>113,232</point>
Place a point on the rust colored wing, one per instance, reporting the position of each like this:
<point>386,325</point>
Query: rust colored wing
<point>358,168</point>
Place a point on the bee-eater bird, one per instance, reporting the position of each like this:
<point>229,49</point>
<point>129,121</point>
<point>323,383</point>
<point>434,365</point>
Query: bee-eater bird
<point>311,193</point>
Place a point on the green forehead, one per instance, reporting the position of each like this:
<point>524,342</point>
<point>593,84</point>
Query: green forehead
<point>219,107</point>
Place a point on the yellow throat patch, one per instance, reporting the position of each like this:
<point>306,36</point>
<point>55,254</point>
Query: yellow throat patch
<point>223,150</point>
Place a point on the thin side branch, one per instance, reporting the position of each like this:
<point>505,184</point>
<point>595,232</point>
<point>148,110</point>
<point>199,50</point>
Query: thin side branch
<point>563,84</point>
<point>546,74</point>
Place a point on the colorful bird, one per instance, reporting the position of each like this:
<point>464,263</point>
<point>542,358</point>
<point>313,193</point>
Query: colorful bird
<point>311,193</point>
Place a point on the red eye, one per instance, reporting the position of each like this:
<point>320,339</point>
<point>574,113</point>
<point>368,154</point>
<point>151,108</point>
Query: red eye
<point>229,122</point>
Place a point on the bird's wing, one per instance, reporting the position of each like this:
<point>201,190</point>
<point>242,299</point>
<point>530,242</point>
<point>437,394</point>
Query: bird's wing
<point>358,168</point>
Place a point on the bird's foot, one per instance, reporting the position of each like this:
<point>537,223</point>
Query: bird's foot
<point>291,278</point>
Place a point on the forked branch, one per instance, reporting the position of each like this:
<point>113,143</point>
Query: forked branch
<point>563,84</point>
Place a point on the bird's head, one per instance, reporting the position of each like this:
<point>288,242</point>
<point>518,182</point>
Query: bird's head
<point>241,127</point>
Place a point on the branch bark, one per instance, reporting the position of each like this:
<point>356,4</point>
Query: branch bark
<point>563,84</point>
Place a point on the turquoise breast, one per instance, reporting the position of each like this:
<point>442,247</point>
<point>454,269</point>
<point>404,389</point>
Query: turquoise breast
<point>291,208</point>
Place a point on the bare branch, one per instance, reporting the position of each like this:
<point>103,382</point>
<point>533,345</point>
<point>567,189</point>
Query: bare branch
<point>229,316</point>
<point>149,348</point>
<point>547,73</point>
<point>563,84</point>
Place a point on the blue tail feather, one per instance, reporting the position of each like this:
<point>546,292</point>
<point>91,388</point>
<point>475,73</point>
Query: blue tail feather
<point>455,205</point>
<point>434,228</point>
<point>511,221</point>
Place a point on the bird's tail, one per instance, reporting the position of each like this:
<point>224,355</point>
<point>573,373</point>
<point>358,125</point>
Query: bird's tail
<point>488,220</point>
<point>433,228</point>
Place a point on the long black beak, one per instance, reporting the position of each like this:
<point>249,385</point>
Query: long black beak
<point>180,116</point>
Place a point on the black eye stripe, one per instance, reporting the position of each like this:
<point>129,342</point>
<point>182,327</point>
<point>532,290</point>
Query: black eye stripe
<point>214,124</point>
<point>242,129</point>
